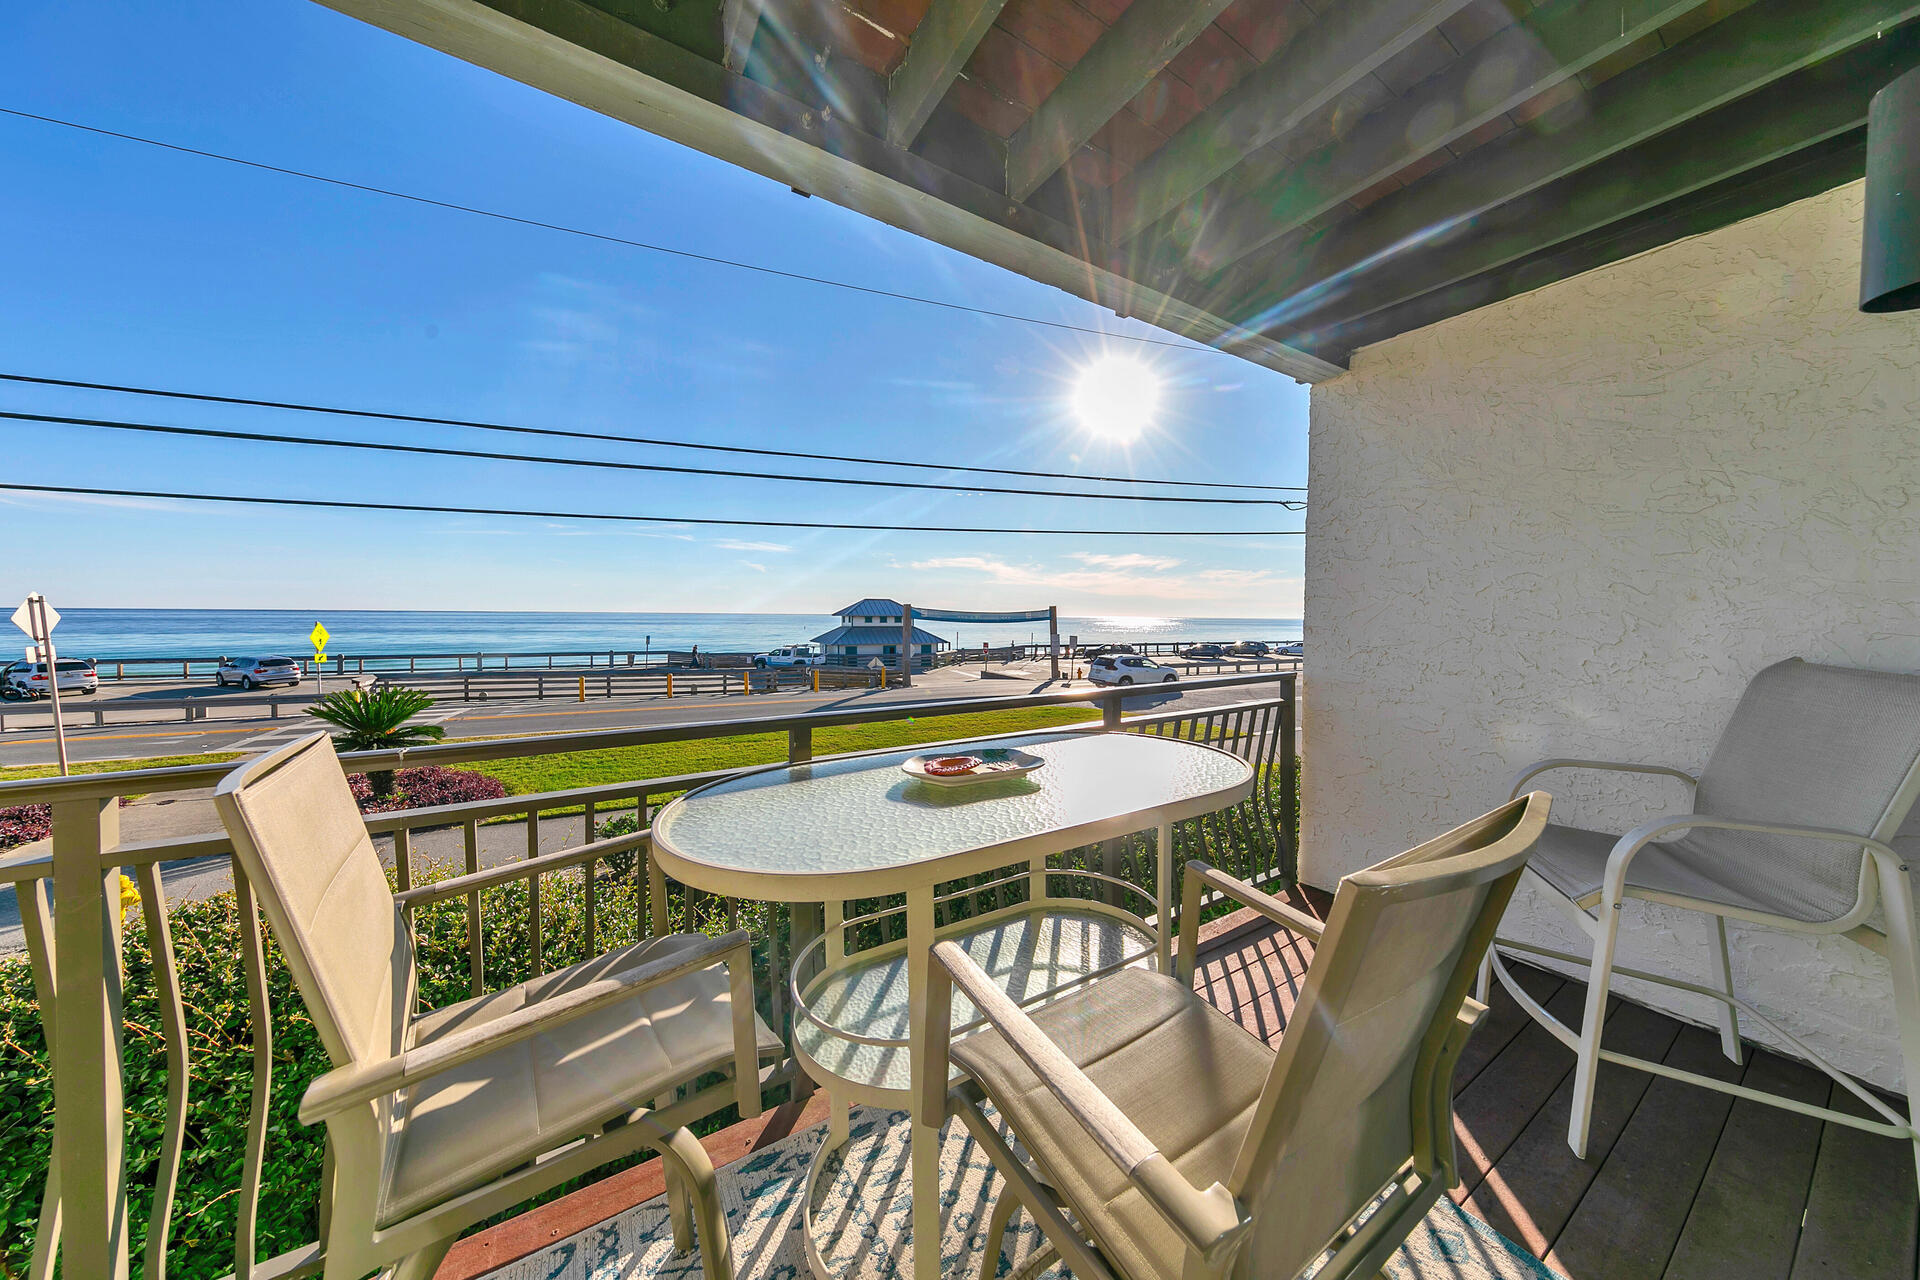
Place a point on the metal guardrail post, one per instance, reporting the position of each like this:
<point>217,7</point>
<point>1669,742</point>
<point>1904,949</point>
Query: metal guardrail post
<point>88,1082</point>
<point>1289,779</point>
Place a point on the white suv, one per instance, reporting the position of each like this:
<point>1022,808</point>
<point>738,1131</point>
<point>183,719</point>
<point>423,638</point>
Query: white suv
<point>794,655</point>
<point>29,679</point>
<point>252,673</point>
<point>1128,668</point>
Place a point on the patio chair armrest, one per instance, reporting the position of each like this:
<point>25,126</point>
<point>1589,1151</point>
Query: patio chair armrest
<point>1210,1220</point>
<point>351,1086</point>
<point>1201,876</point>
<point>1613,886</point>
<point>1539,767</point>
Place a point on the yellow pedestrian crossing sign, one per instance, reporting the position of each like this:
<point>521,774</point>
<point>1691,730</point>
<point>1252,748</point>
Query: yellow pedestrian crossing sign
<point>319,638</point>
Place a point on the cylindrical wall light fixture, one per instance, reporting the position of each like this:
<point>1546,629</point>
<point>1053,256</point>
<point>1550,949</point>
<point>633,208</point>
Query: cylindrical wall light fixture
<point>1890,245</point>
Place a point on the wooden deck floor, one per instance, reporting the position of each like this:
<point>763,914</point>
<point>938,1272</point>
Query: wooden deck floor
<point>1681,1183</point>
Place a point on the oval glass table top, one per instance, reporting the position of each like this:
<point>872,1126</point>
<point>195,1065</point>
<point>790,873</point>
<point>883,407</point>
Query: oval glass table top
<point>862,817</point>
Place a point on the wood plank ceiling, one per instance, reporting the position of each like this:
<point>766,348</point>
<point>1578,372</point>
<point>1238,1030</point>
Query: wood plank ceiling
<point>1288,179</point>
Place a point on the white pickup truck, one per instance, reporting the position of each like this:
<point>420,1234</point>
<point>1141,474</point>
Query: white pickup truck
<point>793,655</point>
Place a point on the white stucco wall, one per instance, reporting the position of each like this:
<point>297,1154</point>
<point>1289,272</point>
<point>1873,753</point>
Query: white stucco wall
<point>1576,522</point>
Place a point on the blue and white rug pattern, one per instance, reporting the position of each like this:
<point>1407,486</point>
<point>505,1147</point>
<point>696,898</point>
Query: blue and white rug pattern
<point>765,1199</point>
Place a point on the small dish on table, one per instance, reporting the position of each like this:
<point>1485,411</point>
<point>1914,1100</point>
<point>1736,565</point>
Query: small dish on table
<point>967,766</point>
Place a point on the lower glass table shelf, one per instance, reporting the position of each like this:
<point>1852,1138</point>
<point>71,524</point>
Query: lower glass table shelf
<point>851,1028</point>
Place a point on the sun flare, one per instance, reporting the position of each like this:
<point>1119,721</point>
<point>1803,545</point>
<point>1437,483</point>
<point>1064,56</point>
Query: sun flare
<point>1116,398</point>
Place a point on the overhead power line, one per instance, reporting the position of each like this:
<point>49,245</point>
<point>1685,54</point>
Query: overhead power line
<point>604,237</point>
<point>342,504</point>
<point>560,432</point>
<point>439,451</point>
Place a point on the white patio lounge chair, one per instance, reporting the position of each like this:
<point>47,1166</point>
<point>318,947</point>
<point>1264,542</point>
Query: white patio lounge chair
<point>1791,827</point>
<point>1167,1143</point>
<point>436,1121</point>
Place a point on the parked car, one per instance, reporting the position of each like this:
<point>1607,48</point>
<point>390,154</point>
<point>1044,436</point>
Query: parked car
<point>1105,650</point>
<point>29,679</point>
<point>1291,649</point>
<point>793,655</point>
<point>1202,651</point>
<point>1250,649</point>
<point>255,673</point>
<point>1129,669</point>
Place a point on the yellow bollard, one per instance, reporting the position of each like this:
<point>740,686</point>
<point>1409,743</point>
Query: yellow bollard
<point>816,679</point>
<point>583,688</point>
<point>669,684</point>
<point>746,682</point>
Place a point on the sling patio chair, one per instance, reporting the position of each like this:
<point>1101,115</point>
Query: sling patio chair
<point>1167,1143</point>
<point>1791,828</point>
<point>438,1120</point>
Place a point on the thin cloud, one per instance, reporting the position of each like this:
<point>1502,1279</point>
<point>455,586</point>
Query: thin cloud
<point>1128,560</point>
<point>737,544</point>
<point>1102,580</point>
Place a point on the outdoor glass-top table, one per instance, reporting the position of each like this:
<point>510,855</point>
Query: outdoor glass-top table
<point>859,827</point>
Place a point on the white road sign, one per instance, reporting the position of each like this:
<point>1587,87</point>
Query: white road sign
<point>23,616</point>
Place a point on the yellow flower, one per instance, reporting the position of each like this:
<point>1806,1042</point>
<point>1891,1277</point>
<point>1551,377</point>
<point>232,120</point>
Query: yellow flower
<point>129,895</point>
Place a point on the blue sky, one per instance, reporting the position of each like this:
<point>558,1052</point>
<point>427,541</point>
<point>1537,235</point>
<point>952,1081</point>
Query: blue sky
<point>121,263</point>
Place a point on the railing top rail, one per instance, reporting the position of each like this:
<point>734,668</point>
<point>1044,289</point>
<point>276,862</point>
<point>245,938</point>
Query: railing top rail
<point>34,863</point>
<point>102,786</point>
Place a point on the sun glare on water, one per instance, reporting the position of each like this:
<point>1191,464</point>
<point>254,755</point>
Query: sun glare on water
<point>1116,398</point>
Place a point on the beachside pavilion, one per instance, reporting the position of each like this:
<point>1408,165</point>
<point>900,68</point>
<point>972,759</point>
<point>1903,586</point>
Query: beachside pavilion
<point>871,629</point>
<point>1601,435</point>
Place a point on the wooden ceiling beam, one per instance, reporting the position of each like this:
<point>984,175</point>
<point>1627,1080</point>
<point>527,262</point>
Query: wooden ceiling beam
<point>1805,173</point>
<point>739,22</point>
<point>939,48</point>
<point>1816,105</point>
<point>1555,42</point>
<point>1337,50</point>
<point>1729,60</point>
<point>1120,64</point>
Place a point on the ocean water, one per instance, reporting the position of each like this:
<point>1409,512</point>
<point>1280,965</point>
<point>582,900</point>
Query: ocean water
<point>162,633</point>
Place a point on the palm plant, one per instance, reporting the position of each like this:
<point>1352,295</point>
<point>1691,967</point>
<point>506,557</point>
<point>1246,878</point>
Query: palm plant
<point>377,720</point>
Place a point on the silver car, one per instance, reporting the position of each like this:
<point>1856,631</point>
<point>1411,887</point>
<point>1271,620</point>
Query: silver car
<point>255,673</point>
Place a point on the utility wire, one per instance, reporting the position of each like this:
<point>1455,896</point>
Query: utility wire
<point>597,435</point>
<point>342,504</point>
<point>602,236</point>
<point>210,433</point>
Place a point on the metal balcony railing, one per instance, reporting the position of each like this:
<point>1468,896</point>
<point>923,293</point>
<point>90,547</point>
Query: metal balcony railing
<point>503,920</point>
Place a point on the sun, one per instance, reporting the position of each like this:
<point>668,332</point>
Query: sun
<point>1115,398</point>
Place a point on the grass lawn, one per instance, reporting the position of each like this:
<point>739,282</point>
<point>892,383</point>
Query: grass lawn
<point>624,764</point>
<point>665,760</point>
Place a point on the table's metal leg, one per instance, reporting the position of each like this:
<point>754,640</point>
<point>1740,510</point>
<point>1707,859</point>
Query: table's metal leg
<point>839,1124</point>
<point>926,1129</point>
<point>805,922</point>
<point>1163,891</point>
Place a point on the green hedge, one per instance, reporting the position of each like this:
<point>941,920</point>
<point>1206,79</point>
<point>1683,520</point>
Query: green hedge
<point>213,983</point>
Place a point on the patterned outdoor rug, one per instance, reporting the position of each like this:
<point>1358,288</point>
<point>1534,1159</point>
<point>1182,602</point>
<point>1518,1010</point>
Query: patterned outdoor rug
<point>765,1194</point>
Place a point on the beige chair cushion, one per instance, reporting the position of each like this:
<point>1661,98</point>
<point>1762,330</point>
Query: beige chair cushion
<point>1574,861</point>
<point>465,1127</point>
<point>305,848</point>
<point>1186,1074</point>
